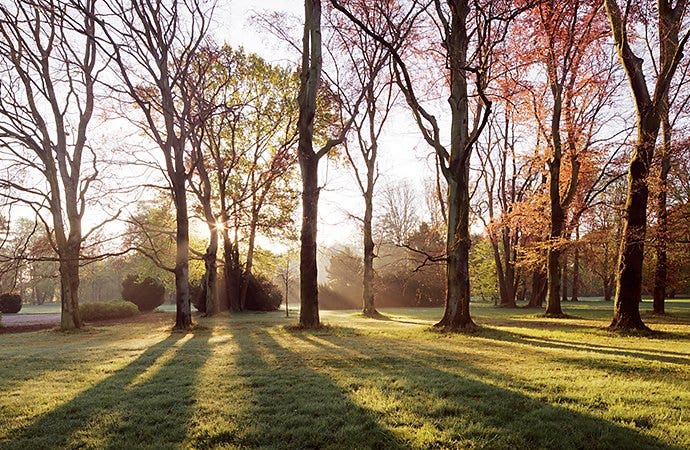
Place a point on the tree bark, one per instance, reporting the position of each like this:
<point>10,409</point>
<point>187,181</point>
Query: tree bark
<point>649,110</point>
<point>309,289</point>
<point>369,309</point>
<point>70,318</point>
<point>538,289</point>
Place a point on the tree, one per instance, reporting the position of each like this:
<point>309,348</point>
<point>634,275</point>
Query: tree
<point>49,66</point>
<point>310,83</point>
<point>153,45</point>
<point>243,151</point>
<point>366,58</point>
<point>649,109</point>
<point>569,35</point>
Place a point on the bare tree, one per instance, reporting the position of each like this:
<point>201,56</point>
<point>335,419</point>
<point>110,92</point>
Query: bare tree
<point>153,45</point>
<point>49,66</point>
<point>365,60</point>
<point>468,33</point>
<point>310,84</point>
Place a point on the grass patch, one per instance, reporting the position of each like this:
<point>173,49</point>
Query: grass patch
<point>252,380</point>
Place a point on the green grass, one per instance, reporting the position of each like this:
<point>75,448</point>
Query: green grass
<point>522,381</point>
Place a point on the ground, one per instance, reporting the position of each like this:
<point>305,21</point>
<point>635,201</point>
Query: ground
<point>522,381</point>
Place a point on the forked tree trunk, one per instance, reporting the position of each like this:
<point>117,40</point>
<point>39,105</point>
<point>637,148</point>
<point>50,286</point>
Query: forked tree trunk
<point>650,109</point>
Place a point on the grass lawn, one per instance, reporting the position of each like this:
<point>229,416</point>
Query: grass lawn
<point>521,382</point>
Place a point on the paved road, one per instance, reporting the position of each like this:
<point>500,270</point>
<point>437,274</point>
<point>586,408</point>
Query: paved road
<point>31,320</point>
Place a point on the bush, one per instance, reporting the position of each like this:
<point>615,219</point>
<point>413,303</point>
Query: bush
<point>114,309</point>
<point>10,303</point>
<point>262,295</point>
<point>148,294</point>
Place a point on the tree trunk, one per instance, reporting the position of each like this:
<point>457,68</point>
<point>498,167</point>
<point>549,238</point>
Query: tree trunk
<point>650,109</point>
<point>310,80</point>
<point>70,317</point>
<point>183,318</point>
<point>309,289</point>
<point>369,308</point>
<point>503,294</point>
<point>553,270</point>
<point>629,281</point>
<point>457,312</point>
<point>539,287</point>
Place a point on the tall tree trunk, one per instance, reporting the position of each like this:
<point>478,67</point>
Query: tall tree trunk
<point>309,289</point>
<point>553,268</point>
<point>661,269</point>
<point>183,318</point>
<point>369,309</point>
<point>457,312</point>
<point>629,280</point>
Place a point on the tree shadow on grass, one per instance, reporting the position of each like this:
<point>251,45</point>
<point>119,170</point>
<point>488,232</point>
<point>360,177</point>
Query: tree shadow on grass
<point>458,405</point>
<point>519,338</point>
<point>146,403</point>
<point>294,406</point>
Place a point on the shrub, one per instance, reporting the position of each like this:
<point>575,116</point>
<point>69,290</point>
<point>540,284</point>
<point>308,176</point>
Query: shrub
<point>262,294</point>
<point>10,303</point>
<point>148,294</point>
<point>113,309</point>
